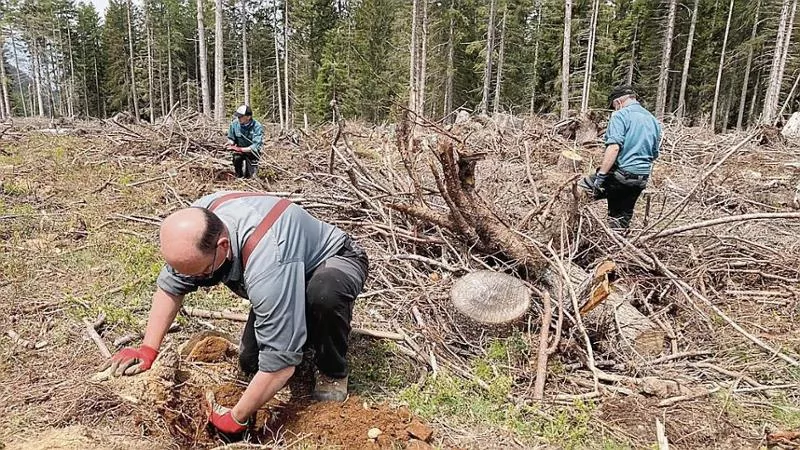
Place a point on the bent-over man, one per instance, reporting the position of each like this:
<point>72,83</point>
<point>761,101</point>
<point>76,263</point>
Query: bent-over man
<point>301,276</point>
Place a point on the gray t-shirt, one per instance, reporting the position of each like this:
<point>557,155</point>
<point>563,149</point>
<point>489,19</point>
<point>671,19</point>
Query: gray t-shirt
<point>274,279</point>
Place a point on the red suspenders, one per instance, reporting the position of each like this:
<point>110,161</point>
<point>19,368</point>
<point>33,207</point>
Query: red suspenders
<point>262,228</point>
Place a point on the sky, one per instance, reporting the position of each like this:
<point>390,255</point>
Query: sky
<point>100,5</point>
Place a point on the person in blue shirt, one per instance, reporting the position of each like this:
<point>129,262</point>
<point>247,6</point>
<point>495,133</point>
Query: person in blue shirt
<point>632,142</point>
<point>245,139</point>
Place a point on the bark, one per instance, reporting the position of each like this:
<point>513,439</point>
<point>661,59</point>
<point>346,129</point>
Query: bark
<point>71,73</point>
<point>286,105</point>
<point>719,71</point>
<point>748,65</point>
<point>535,81</point>
<point>487,69</point>
<point>100,99</point>
<point>775,72</point>
<point>412,65</point>
<point>787,41</point>
<point>37,78</point>
<point>278,67</point>
<point>201,42</point>
<point>170,84</point>
<point>450,74</point>
<point>134,98</point>
<point>245,67</point>
<point>4,80</point>
<point>613,323</point>
<point>149,31</point>
<point>85,83</point>
<point>219,61</point>
<point>19,78</point>
<point>632,63</point>
<point>587,74</point>
<point>687,58</point>
<point>565,53</point>
<point>663,76</point>
<point>754,101</point>
<point>500,56</point>
<point>422,60</point>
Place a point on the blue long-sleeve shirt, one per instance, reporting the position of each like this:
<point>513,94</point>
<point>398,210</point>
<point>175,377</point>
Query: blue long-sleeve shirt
<point>638,134</point>
<point>250,140</point>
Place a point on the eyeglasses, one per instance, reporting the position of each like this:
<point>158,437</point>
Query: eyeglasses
<point>206,274</point>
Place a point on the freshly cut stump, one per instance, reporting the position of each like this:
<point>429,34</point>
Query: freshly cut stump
<point>491,297</point>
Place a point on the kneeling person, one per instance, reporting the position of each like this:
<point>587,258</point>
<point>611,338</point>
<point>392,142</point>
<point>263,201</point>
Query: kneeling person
<point>245,139</point>
<point>301,276</point>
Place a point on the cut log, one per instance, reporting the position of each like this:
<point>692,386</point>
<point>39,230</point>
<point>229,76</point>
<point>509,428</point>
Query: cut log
<point>569,161</point>
<point>612,322</point>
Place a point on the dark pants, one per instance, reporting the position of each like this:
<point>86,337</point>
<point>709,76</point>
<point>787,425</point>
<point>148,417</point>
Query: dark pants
<point>331,290</point>
<point>245,166</point>
<point>622,192</point>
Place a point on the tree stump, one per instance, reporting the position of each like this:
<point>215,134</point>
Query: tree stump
<point>611,321</point>
<point>490,297</point>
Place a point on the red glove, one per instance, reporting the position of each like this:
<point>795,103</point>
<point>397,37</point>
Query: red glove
<point>235,148</point>
<point>130,361</point>
<point>222,417</point>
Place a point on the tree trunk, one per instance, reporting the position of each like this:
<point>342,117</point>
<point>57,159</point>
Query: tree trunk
<point>500,56</point>
<point>775,72</point>
<point>100,100</point>
<point>170,84</point>
<point>219,61</point>
<point>245,67</point>
<point>19,77</point>
<point>4,80</point>
<point>565,53</point>
<point>663,76</point>
<point>277,67</point>
<point>587,73</point>
<point>134,98</point>
<point>71,73</point>
<point>686,61</point>
<point>413,87</point>
<point>754,101</point>
<point>448,83</point>
<point>37,78</point>
<point>201,43</point>
<point>422,60</point>
<point>487,70</point>
<point>85,83</point>
<point>535,78</point>
<point>613,324</point>
<point>632,63</point>
<point>787,41</point>
<point>748,65</point>
<point>149,32</point>
<point>286,104</point>
<point>719,71</point>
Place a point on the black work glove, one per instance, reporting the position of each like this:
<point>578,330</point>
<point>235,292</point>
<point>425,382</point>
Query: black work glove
<point>595,184</point>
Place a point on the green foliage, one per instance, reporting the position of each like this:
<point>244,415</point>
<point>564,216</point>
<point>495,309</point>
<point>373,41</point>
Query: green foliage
<point>358,52</point>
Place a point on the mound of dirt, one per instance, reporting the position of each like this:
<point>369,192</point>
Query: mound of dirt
<point>207,362</point>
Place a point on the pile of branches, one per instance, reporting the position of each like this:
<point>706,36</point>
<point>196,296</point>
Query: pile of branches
<point>447,201</point>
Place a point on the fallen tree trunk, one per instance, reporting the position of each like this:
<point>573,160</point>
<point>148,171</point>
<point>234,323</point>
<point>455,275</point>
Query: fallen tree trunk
<point>610,319</point>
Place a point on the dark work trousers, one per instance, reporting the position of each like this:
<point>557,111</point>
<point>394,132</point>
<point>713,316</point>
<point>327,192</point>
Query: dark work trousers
<point>622,192</point>
<point>245,165</point>
<point>331,290</point>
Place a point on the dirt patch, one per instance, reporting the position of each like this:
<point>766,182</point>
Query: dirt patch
<point>291,417</point>
<point>211,349</point>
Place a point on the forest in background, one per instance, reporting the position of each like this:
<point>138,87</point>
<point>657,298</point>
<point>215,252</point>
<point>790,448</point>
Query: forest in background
<point>727,63</point>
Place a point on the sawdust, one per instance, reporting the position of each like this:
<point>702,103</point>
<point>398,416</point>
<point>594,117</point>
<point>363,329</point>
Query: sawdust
<point>211,349</point>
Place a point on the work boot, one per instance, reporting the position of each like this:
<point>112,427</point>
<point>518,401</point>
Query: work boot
<point>328,389</point>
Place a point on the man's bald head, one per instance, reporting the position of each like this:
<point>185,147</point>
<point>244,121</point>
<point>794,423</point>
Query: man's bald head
<point>189,239</point>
